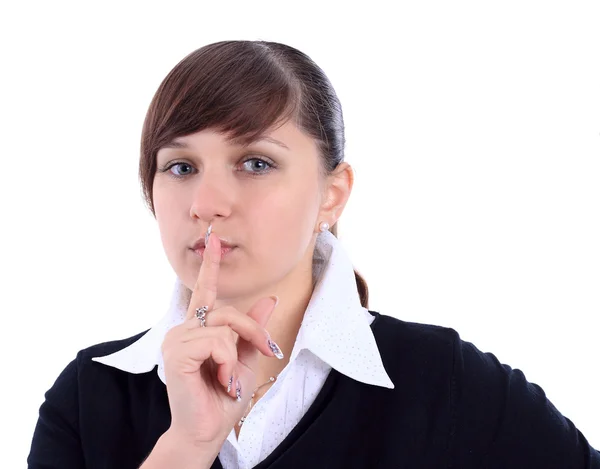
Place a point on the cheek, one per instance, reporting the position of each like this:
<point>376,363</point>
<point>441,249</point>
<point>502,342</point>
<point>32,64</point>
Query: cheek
<point>169,202</point>
<point>164,216</point>
<point>168,219</point>
<point>291,206</point>
<point>282,223</point>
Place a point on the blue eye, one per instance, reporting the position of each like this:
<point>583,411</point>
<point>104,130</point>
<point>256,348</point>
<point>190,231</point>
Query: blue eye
<point>178,164</point>
<point>265,166</point>
<point>259,168</point>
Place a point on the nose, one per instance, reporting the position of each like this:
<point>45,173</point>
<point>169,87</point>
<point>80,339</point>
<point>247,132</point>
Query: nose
<point>212,197</point>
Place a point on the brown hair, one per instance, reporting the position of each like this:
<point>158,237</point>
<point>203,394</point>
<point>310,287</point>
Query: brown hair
<point>243,88</point>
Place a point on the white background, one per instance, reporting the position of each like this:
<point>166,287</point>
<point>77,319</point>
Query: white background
<point>473,128</point>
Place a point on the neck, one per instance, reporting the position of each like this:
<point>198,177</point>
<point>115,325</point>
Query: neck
<point>294,292</point>
<point>283,326</point>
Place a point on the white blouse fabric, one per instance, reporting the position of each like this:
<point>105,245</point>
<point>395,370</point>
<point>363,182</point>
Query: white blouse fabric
<point>335,333</point>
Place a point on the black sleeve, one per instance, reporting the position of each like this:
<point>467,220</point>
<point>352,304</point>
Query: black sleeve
<point>56,443</point>
<point>503,421</point>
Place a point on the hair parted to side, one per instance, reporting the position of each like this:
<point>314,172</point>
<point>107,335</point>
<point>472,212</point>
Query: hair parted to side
<point>243,89</point>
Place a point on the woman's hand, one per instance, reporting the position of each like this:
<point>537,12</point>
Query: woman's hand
<point>201,363</point>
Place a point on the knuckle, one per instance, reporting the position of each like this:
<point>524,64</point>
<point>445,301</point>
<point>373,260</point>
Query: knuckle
<point>172,333</point>
<point>226,334</point>
<point>223,344</point>
<point>190,323</point>
<point>218,344</point>
<point>211,342</point>
<point>230,311</point>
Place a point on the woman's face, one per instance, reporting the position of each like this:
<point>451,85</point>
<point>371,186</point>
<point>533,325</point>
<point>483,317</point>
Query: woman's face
<point>264,198</point>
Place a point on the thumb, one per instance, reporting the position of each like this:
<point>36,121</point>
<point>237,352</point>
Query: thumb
<point>261,312</point>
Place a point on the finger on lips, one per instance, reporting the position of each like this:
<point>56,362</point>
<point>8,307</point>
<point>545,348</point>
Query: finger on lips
<point>205,289</point>
<point>218,341</point>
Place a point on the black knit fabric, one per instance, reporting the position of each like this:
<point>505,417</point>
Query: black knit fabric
<point>453,406</point>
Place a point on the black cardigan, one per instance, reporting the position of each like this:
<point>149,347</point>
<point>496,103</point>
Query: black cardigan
<point>453,407</point>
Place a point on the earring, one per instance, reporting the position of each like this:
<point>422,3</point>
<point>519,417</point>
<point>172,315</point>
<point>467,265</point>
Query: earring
<point>324,226</point>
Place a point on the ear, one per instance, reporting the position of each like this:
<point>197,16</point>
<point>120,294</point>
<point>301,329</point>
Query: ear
<point>336,193</point>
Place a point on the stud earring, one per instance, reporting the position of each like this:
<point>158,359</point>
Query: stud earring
<point>324,226</point>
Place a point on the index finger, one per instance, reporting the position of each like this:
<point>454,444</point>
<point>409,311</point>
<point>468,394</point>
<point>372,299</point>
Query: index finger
<point>205,289</point>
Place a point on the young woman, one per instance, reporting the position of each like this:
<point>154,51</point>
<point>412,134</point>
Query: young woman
<point>269,356</point>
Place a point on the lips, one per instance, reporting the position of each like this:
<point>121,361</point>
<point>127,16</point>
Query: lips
<point>224,251</point>
<point>199,245</point>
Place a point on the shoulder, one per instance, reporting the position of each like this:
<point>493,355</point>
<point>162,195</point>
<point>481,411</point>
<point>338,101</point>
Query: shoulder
<point>93,409</point>
<point>63,396</point>
<point>430,340</point>
<point>106,348</point>
<point>389,324</point>
<point>436,355</point>
<point>70,376</point>
<point>493,408</point>
<point>420,356</point>
<point>395,335</point>
<point>91,385</point>
<point>438,349</point>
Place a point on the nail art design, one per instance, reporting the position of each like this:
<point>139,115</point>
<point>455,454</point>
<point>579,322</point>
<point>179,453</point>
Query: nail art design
<point>275,349</point>
<point>238,390</point>
<point>208,232</point>
<point>230,384</point>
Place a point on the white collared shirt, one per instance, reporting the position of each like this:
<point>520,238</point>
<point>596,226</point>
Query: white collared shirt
<point>335,333</point>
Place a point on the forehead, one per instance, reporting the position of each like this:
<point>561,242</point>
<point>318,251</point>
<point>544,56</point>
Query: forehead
<point>287,137</point>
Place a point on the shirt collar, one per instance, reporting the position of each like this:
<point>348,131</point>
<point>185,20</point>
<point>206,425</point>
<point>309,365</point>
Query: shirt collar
<point>336,327</point>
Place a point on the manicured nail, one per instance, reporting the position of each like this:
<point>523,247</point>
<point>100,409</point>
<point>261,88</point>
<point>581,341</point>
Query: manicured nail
<point>238,390</point>
<point>207,236</point>
<point>275,349</point>
<point>230,384</point>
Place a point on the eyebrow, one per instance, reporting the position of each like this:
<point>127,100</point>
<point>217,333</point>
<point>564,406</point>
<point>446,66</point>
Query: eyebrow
<point>179,144</point>
<point>175,144</point>
<point>270,140</point>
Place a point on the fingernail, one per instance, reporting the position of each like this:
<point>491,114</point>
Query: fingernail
<point>275,349</point>
<point>276,298</point>
<point>238,390</point>
<point>207,236</point>
<point>230,384</point>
